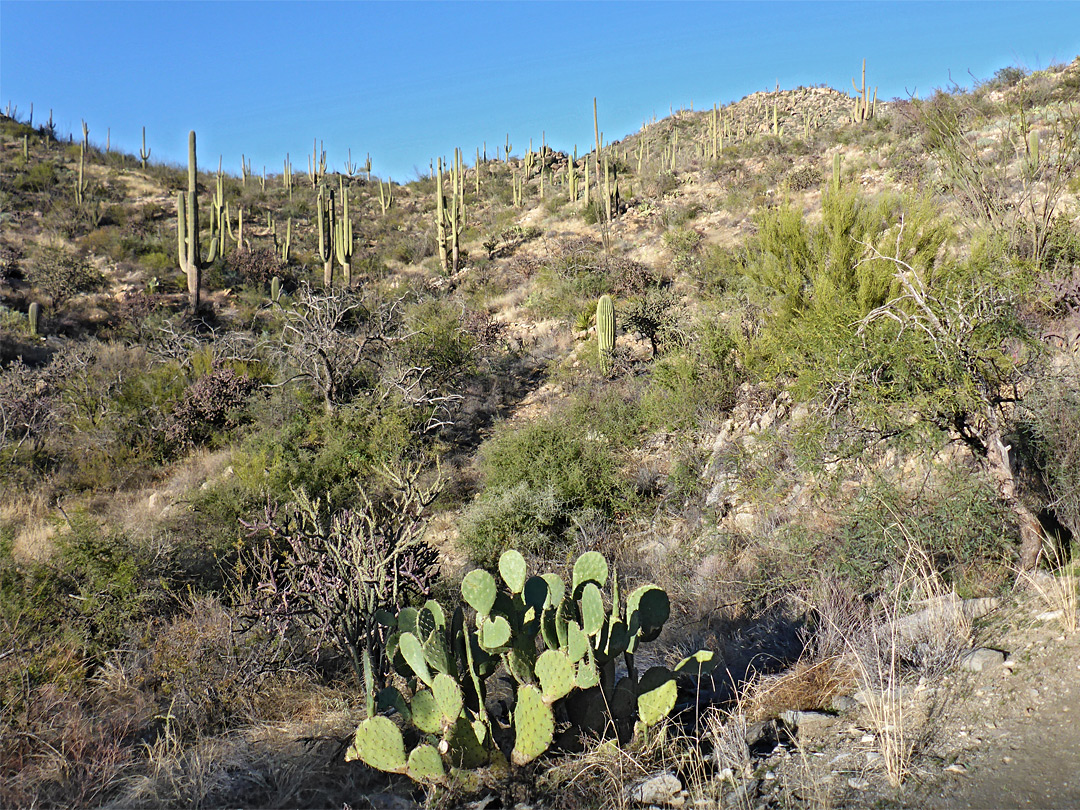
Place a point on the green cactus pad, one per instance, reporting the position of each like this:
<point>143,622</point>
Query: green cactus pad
<point>512,568</point>
<point>521,663</point>
<point>592,609</point>
<point>590,567</point>
<point>425,623</point>
<point>426,714</point>
<point>700,663</point>
<point>657,693</point>
<point>534,726</point>
<point>555,671</point>
<point>378,742</point>
<point>577,643</point>
<point>413,652</point>
<point>386,618</point>
<point>425,764</point>
<point>618,639</point>
<point>406,619</point>
<point>556,590</point>
<point>437,654</point>
<point>647,608</point>
<point>448,697</point>
<point>549,630</point>
<point>464,747</point>
<point>587,675</point>
<point>391,698</point>
<point>495,633</point>
<point>478,590</point>
<point>535,593</point>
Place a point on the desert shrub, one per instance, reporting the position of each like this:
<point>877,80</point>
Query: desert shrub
<point>552,470</point>
<point>10,260</point>
<point>436,340</point>
<point>1009,76</point>
<point>1051,428</point>
<point>684,393</point>
<point>329,571</point>
<point>255,267</point>
<point>958,520</point>
<point>803,178</point>
<point>39,177</point>
<point>658,316</point>
<point>685,247</point>
<point>210,404</point>
<point>61,274</point>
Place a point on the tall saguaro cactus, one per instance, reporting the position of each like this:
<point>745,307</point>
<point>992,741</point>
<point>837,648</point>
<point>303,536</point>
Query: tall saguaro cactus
<point>326,234</point>
<point>343,238</point>
<point>187,230</point>
<point>144,153</point>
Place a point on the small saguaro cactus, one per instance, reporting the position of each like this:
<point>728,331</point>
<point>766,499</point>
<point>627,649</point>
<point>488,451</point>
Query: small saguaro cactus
<point>34,316</point>
<point>187,230</point>
<point>275,289</point>
<point>605,331</point>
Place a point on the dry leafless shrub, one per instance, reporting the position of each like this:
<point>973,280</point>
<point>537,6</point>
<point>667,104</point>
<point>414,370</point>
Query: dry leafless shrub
<point>332,572</point>
<point>210,404</point>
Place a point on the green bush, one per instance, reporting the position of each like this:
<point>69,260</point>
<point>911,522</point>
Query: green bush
<point>536,478</point>
<point>61,274</point>
<point>968,534</point>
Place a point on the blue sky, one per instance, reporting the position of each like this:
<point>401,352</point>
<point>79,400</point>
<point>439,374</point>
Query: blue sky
<point>409,81</point>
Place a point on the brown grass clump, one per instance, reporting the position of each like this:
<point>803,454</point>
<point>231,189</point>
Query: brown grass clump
<point>807,686</point>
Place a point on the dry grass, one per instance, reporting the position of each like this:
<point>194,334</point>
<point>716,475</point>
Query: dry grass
<point>1058,589</point>
<point>807,686</point>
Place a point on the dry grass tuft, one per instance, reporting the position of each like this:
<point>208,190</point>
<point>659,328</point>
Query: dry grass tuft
<point>807,686</point>
<point>1058,588</point>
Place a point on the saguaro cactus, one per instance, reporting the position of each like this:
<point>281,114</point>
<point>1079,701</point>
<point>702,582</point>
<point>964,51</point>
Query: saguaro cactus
<point>605,331</point>
<point>187,230</point>
<point>144,153</point>
<point>343,238</point>
<point>34,316</point>
<point>326,234</point>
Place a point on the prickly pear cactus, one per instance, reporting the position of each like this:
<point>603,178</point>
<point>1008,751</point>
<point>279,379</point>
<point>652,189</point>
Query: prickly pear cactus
<point>558,646</point>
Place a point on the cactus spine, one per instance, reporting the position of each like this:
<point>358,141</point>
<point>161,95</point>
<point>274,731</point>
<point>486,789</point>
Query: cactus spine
<point>605,332</point>
<point>187,230</point>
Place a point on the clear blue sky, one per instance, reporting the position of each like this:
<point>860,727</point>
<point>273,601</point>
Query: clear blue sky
<point>409,81</point>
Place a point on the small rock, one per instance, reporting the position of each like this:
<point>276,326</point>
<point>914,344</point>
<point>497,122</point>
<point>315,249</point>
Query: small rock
<point>1050,615</point>
<point>658,789</point>
<point>982,659</point>
<point>844,704</point>
<point>858,783</point>
<point>743,794</point>
<point>810,725</point>
<point>956,767</point>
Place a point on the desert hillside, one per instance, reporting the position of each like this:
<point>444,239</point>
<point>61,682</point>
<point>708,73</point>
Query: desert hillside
<point>735,463</point>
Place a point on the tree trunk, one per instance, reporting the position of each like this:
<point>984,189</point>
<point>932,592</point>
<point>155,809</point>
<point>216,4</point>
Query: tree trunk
<point>1031,531</point>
